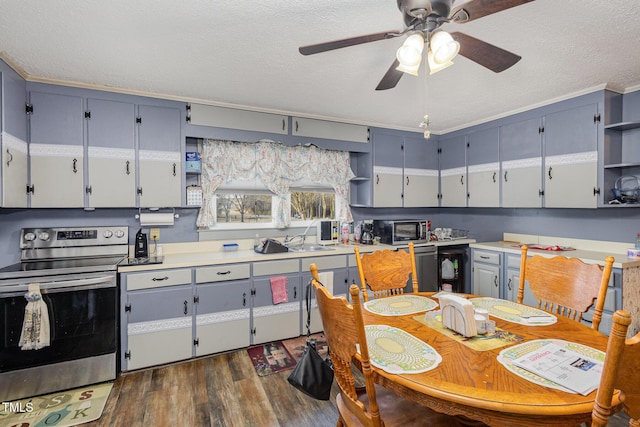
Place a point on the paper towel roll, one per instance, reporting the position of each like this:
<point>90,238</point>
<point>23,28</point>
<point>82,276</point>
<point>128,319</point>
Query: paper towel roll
<point>156,218</point>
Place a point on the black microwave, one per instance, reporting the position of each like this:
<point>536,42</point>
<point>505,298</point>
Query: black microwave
<point>398,232</point>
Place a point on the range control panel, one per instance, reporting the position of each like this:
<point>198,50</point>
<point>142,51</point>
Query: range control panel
<point>32,238</point>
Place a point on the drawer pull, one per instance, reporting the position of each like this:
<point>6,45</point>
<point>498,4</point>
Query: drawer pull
<point>160,279</point>
<point>186,304</point>
<point>295,292</point>
<point>484,257</point>
<point>495,281</point>
<point>509,284</point>
<point>223,273</point>
<point>244,299</point>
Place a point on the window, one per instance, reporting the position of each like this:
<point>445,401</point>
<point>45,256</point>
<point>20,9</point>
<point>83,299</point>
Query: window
<point>245,182</point>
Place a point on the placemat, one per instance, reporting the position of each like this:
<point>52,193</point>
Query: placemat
<point>400,305</point>
<point>433,319</point>
<point>398,352</point>
<point>514,312</point>
<point>508,355</point>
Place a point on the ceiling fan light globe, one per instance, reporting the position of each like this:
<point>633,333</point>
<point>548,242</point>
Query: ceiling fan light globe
<point>409,69</point>
<point>434,67</point>
<point>444,47</point>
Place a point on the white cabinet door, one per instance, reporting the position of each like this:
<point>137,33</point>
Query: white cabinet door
<point>329,130</point>
<point>522,183</point>
<point>387,187</point>
<point>420,188</point>
<point>484,185</point>
<point>486,280</point>
<point>57,176</point>
<point>159,347</point>
<point>570,181</point>
<point>232,118</point>
<point>453,187</point>
<point>14,171</point>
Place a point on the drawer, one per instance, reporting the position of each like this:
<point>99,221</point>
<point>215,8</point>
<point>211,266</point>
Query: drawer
<point>486,257</point>
<point>221,273</point>
<point>158,279</point>
<point>325,262</point>
<point>351,259</point>
<point>270,268</point>
<point>513,261</point>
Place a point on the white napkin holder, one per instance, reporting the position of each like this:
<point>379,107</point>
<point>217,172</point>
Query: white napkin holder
<point>458,314</point>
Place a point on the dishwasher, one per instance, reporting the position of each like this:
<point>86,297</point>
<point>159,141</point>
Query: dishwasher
<point>427,268</point>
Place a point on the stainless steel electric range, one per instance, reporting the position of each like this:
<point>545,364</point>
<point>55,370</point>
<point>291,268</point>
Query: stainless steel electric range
<point>75,272</point>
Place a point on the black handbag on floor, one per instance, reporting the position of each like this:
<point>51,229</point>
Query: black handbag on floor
<point>312,374</point>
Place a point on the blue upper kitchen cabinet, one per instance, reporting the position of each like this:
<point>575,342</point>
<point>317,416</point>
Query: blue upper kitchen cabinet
<point>111,153</point>
<point>453,171</point>
<point>56,150</point>
<point>420,183</point>
<point>405,169</point>
<point>160,155</point>
<point>571,157</point>
<point>521,161</point>
<point>13,139</point>
<point>483,168</point>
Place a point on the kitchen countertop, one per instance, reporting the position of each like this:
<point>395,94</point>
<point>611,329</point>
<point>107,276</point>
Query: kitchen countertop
<point>184,255</point>
<point>586,250</point>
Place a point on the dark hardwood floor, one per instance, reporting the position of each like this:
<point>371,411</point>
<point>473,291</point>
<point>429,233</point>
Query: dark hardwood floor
<point>222,390</point>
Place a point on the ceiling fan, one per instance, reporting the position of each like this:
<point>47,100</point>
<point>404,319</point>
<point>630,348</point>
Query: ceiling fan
<point>423,19</point>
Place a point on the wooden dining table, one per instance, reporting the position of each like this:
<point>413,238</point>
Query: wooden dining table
<point>476,387</point>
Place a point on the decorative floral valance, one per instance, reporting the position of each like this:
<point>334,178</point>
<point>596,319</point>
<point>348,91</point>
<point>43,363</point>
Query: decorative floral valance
<point>277,167</point>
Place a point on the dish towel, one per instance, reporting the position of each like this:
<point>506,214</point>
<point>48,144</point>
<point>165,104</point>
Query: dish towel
<point>326,278</point>
<point>279,289</point>
<point>35,328</point>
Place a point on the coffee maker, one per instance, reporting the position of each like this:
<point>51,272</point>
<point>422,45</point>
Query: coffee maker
<point>366,238</point>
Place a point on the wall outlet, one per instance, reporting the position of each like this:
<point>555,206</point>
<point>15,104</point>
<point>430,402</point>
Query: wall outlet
<point>154,234</point>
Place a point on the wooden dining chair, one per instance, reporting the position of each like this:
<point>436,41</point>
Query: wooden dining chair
<point>386,272</point>
<point>566,286</point>
<point>377,406</point>
<point>621,372</point>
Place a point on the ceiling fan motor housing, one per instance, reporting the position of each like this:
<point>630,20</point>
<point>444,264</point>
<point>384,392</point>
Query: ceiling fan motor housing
<point>420,10</point>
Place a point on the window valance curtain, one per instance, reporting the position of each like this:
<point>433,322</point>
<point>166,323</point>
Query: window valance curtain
<point>277,167</point>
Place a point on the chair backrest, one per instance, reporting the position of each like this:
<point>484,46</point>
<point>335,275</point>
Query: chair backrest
<point>386,272</point>
<point>344,330</point>
<point>566,286</point>
<point>621,372</point>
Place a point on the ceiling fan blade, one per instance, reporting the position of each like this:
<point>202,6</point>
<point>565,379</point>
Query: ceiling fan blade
<point>391,78</point>
<point>352,41</point>
<point>476,9</point>
<point>485,54</point>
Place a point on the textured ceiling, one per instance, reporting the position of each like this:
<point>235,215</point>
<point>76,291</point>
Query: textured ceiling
<point>245,53</point>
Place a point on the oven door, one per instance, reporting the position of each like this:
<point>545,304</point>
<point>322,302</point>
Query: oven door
<point>82,316</point>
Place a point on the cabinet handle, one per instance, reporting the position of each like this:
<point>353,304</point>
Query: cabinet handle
<point>494,177</point>
<point>160,279</point>
<point>484,257</point>
<point>495,281</point>
<point>295,292</point>
<point>283,124</point>
<point>186,304</point>
<point>127,168</point>
<point>461,179</point>
<point>75,164</point>
<point>505,176</point>
<point>296,126</point>
<point>10,157</point>
<point>407,180</point>
<point>377,179</point>
<point>174,169</point>
<point>244,299</point>
<point>509,284</point>
<point>549,173</point>
<point>222,273</point>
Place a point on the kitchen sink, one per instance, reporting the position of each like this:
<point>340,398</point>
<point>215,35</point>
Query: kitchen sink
<point>310,248</point>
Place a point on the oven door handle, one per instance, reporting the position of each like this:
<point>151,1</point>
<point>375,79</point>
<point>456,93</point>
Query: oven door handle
<point>58,286</point>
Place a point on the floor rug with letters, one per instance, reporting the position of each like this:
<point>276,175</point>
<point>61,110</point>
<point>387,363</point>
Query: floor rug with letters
<point>62,409</point>
<point>280,356</point>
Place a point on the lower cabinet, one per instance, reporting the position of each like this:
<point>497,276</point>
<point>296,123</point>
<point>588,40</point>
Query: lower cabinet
<point>274,321</point>
<point>222,308</point>
<point>156,318</point>
<point>486,267</point>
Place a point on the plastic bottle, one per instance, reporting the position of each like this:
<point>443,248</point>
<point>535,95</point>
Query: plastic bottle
<point>345,233</point>
<point>638,241</point>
